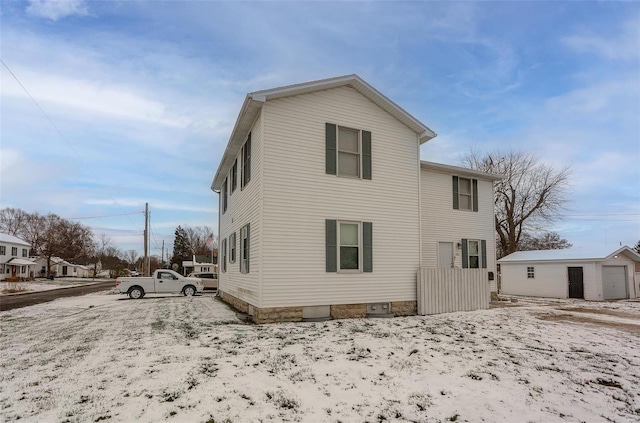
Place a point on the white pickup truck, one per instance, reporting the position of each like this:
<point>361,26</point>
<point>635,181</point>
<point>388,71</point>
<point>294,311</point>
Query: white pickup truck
<point>163,281</point>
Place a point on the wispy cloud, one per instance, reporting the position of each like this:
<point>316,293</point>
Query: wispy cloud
<point>56,9</point>
<point>624,45</point>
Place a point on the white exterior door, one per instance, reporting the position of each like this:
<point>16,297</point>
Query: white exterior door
<point>614,282</point>
<point>445,254</point>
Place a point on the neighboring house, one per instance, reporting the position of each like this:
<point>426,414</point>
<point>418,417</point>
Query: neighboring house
<point>201,264</point>
<point>59,268</point>
<point>14,258</point>
<point>324,211</point>
<point>592,275</point>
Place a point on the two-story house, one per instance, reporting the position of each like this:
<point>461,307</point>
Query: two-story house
<point>14,258</point>
<point>325,207</point>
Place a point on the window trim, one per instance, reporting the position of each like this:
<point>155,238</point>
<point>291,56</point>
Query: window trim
<point>245,153</point>
<point>232,248</point>
<point>245,253</point>
<point>470,194</point>
<point>223,265</point>
<point>3,250</point>
<point>531,272</point>
<point>14,251</point>
<point>479,255</point>
<point>225,200</point>
<point>234,176</point>
<point>339,246</point>
<point>359,154</point>
<point>25,252</point>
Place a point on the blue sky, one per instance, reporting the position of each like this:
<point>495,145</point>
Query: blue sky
<point>143,97</point>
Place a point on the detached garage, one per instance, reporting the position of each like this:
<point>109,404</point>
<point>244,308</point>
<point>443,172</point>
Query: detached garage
<point>575,273</point>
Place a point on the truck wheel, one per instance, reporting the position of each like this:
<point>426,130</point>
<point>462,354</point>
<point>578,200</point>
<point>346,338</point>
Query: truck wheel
<point>136,293</point>
<point>189,291</point>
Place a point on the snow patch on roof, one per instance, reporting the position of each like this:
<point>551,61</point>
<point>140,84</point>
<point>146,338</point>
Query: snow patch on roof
<point>12,239</point>
<point>596,254</point>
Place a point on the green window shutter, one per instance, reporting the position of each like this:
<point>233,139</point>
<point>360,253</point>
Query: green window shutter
<point>331,242</point>
<point>475,194</point>
<point>456,200</point>
<point>330,139</point>
<point>483,245</point>
<point>367,248</point>
<point>465,256</point>
<point>366,155</point>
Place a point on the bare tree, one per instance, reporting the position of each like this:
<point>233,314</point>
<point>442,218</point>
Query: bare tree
<point>543,241</point>
<point>67,240</point>
<point>200,239</point>
<point>131,256</point>
<point>12,221</point>
<point>530,197</point>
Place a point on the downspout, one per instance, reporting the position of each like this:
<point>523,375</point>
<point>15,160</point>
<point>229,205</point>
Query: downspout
<point>218,272</point>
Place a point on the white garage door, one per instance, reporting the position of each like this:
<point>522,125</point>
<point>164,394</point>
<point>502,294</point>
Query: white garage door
<point>614,282</point>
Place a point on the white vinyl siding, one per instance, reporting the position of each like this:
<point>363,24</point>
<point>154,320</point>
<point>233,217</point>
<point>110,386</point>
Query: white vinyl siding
<point>299,196</point>
<point>245,207</point>
<point>442,224</point>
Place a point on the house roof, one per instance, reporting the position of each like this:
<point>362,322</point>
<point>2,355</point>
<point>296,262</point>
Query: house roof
<point>254,101</point>
<point>573,254</point>
<point>456,170</point>
<point>10,239</point>
<point>20,262</point>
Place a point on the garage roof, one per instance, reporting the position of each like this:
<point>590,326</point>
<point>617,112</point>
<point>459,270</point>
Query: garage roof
<point>573,254</point>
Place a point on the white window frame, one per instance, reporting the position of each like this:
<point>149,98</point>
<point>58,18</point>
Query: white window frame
<point>14,251</point>
<point>360,246</point>
<point>24,252</point>
<point>470,195</point>
<point>531,272</point>
<point>338,151</point>
<point>233,252</point>
<point>469,241</point>
<point>244,236</point>
<point>223,266</point>
<point>3,250</point>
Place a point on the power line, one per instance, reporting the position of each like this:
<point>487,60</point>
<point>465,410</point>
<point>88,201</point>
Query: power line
<point>51,122</point>
<point>106,215</point>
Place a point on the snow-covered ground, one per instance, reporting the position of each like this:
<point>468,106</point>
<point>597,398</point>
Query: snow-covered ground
<point>45,284</point>
<point>107,358</point>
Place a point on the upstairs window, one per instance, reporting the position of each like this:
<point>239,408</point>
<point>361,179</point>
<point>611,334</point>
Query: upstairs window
<point>3,250</point>
<point>14,251</point>
<point>24,252</point>
<point>530,273</point>
<point>246,162</point>
<point>348,151</point>
<point>465,194</point>
<point>234,176</point>
<point>224,195</point>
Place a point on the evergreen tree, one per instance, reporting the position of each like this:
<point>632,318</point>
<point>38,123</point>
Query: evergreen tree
<point>181,249</point>
<point>637,247</point>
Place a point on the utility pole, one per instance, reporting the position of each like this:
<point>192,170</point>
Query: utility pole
<point>162,257</point>
<point>145,262</point>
